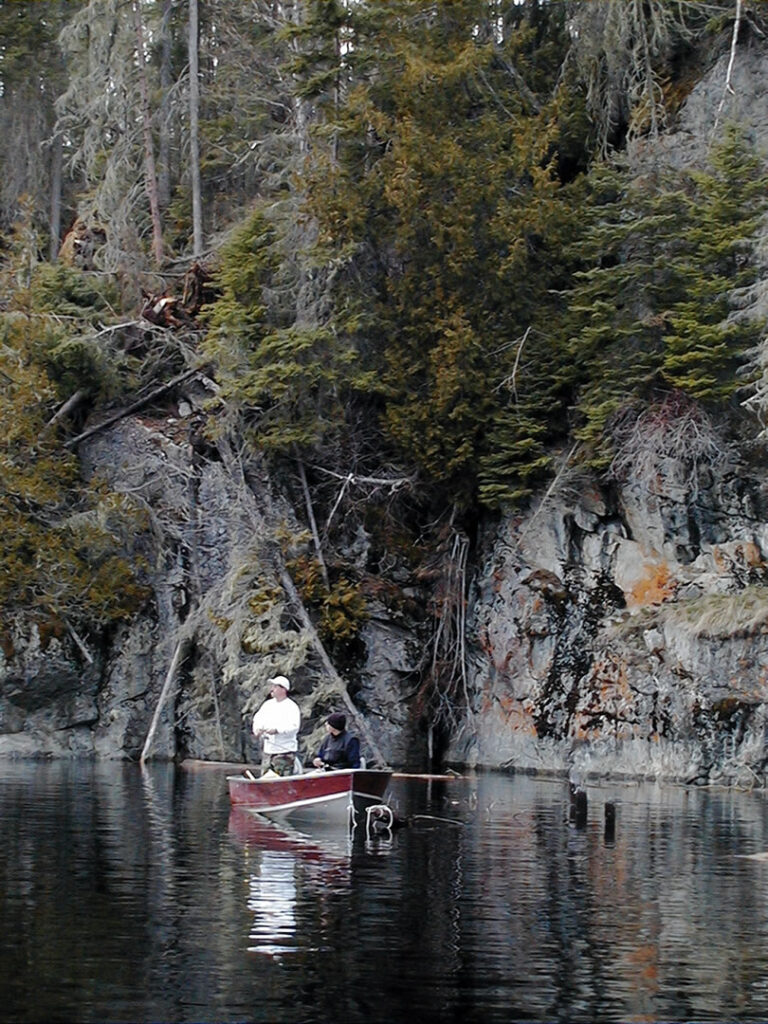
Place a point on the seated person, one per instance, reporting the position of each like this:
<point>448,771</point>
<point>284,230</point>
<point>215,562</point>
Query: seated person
<point>339,749</point>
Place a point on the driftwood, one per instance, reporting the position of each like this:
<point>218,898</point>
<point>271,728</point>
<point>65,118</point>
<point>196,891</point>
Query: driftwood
<point>140,404</point>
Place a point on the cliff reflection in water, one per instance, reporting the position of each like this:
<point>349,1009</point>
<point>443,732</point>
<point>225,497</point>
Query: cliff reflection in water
<point>130,895</point>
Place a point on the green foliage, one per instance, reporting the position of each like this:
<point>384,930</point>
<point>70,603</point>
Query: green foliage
<point>705,345</point>
<point>340,611</point>
<point>65,548</point>
<point>289,379</point>
<point>62,547</point>
<point>437,192</point>
<point>69,293</point>
<point>652,309</point>
<point>69,307</point>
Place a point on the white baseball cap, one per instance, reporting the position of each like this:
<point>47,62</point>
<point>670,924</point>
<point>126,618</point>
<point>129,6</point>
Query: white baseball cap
<point>280,681</point>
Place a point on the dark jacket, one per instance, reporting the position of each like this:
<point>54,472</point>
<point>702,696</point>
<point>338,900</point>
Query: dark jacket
<point>342,751</point>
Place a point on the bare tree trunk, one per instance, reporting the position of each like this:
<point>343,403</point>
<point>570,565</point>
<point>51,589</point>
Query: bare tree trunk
<point>150,174</point>
<point>728,88</point>
<point>164,144</point>
<point>194,134</point>
<point>54,222</point>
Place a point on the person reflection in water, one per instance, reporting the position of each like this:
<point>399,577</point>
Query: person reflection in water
<point>272,900</point>
<point>278,721</point>
<point>339,749</point>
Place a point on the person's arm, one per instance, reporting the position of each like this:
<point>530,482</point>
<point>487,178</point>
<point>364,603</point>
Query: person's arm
<point>353,752</point>
<point>319,761</point>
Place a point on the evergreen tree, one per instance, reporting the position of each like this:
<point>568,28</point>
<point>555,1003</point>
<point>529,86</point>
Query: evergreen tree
<point>32,73</point>
<point>440,195</point>
<point>705,344</point>
<point>65,548</point>
<point>652,311</point>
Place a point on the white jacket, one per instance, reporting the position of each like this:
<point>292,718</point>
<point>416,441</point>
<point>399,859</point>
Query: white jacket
<point>283,715</point>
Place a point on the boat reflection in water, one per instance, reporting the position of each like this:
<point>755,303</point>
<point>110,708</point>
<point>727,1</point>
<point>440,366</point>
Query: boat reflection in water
<point>291,873</point>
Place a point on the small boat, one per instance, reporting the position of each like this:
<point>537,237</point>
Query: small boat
<point>339,796</point>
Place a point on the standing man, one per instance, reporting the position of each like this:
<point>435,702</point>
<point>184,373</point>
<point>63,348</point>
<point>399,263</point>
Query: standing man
<point>277,721</point>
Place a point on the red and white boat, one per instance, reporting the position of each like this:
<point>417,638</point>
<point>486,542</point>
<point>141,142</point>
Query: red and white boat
<point>341,796</point>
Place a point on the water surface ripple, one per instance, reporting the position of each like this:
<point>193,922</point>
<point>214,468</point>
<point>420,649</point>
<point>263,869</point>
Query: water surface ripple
<point>138,895</point>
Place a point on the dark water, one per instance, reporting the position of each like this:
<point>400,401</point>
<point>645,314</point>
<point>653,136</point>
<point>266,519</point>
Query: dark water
<point>137,896</point>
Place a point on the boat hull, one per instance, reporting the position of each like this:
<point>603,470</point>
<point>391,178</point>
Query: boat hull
<point>324,796</point>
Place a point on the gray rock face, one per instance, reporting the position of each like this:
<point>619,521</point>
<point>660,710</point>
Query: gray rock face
<point>597,645</point>
<point>215,581</point>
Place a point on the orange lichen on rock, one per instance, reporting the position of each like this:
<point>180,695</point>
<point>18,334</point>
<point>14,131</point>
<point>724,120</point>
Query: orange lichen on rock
<point>654,587</point>
<point>518,719</point>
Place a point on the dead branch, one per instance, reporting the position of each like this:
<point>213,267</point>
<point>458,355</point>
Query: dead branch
<point>79,641</point>
<point>511,381</point>
<point>313,522</point>
<point>667,443</point>
<point>374,481</point>
<point>71,403</point>
<point>728,88</point>
<point>114,327</point>
<point>339,498</point>
<point>140,404</point>
<point>217,712</point>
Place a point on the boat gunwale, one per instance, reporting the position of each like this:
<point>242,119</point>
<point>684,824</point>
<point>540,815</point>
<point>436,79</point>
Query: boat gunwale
<point>315,773</point>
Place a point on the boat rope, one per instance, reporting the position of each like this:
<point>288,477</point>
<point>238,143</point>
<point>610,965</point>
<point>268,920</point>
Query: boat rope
<point>432,817</point>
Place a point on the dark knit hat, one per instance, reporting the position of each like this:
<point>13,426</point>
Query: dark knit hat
<point>337,721</point>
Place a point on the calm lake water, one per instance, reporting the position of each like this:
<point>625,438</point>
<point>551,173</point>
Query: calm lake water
<point>132,895</point>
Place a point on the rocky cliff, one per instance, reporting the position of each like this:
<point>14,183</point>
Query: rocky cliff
<point>614,630</point>
<point>624,631</point>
